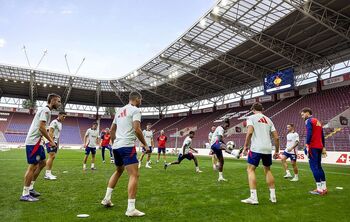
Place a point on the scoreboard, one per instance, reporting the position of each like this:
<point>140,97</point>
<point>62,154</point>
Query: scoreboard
<point>279,81</point>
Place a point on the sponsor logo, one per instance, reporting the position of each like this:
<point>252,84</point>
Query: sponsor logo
<point>342,158</point>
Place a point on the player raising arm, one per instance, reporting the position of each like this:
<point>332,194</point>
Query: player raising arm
<point>258,138</point>
<point>126,127</point>
<point>185,154</point>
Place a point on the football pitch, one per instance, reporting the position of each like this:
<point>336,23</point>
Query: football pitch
<point>177,194</point>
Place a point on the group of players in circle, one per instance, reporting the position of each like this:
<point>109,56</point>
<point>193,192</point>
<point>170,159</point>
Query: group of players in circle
<point>126,130</point>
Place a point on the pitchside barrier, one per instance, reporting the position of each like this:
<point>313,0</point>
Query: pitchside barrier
<point>333,157</point>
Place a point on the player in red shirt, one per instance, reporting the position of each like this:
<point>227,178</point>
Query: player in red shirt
<point>315,150</point>
<point>105,144</point>
<point>162,139</point>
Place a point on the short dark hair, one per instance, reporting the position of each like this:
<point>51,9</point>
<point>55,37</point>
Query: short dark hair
<point>135,95</point>
<point>149,124</point>
<point>51,96</point>
<point>226,121</point>
<point>257,107</point>
<point>290,124</point>
<point>94,123</point>
<point>191,132</point>
<point>62,113</point>
<point>306,110</point>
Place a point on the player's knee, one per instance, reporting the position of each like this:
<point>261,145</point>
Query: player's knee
<point>42,164</point>
<point>267,169</point>
<point>120,170</point>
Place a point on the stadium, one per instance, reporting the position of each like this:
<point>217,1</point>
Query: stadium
<point>283,54</point>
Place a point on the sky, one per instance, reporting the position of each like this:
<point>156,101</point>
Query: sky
<point>116,37</point>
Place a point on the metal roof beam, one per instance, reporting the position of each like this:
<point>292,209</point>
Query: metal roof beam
<point>67,91</point>
<point>195,72</point>
<point>116,92</point>
<point>98,95</point>
<point>184,85</point>
<point>241,65</point>
<point>160,77</point>
<point>143,88</point>
<point>32,86</point>
<point>290,52</point>
<point>329,18</point>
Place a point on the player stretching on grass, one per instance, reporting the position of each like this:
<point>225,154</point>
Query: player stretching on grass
<point>315,150</point>
<point>259,131</point>
<point>185,154</point>
<point>127,123</point>
<point>90,143</point>
<point>54,132</point>
<point>34,150</point>
<point>217,145</point>
<point>291,152</point>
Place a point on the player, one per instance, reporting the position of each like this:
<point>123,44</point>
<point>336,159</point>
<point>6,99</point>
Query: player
<point>105,144</point>
<point>128,120</point>
<point>162,139</point>
<point>34,150</point>
<point>185,153</point>
<point>258,138</point>
<point>217,145</point>
<point>148,135</point>
<point>315,150</point>
<point>54,132</point>
<point>214,159</point>
<point>291,152</point>
<point>90,143</point>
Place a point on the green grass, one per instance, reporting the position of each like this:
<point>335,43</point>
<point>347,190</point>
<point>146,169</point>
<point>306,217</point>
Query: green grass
<point>178,194</point>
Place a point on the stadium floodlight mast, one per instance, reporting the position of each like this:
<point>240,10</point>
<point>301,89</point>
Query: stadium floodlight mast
<point>68,89</point>
<point>24,48</point>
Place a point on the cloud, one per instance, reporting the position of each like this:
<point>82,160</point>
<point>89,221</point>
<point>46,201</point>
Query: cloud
<point>66,12</point>
<point>42,11</point>
<point>2,42</point>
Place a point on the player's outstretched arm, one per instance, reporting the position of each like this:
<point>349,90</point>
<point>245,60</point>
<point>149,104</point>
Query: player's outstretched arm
<point>196,151</point>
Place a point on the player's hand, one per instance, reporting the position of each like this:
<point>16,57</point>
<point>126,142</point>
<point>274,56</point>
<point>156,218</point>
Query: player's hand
<point>324,152</point>
<point>148,150</point>
<point>52,144</point>
<point>276,155</point>
<point>245,150</point>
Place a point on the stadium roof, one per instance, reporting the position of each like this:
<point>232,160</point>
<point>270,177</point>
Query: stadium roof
<point>230,49</point>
